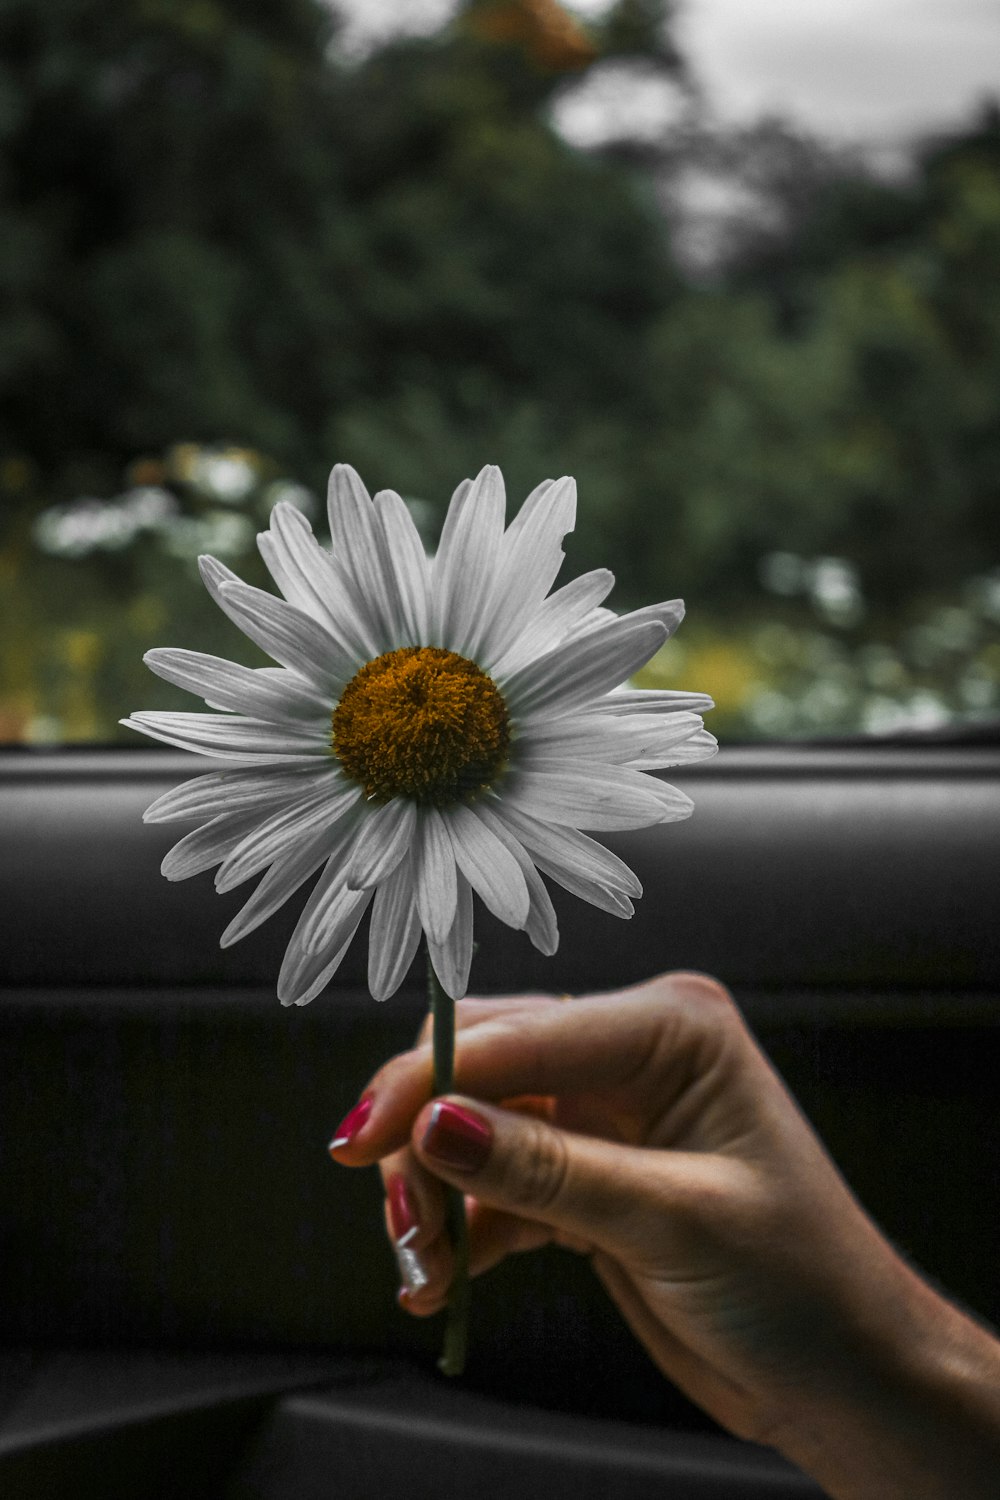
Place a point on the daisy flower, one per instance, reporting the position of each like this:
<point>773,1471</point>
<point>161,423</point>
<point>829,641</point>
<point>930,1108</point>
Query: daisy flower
<point>434,728</point>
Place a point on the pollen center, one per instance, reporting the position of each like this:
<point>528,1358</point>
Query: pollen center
<point>421,723</point>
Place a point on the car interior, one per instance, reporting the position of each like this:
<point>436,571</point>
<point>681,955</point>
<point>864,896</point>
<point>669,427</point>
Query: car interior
<point>196,1303</point>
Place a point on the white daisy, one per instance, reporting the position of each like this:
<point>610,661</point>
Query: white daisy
<point>435,728</point>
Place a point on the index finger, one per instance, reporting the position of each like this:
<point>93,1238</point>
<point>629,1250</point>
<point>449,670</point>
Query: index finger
<point>475,1009</point>
<point>608,1042</point>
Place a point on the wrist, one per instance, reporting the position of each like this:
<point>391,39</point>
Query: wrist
<point>913,1411</point>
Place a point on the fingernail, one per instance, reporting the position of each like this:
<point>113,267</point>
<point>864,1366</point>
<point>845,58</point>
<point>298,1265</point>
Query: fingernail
<point>457,1138</point>
<point>412,1271</point>
<point>404,1223</point>
<point>402,1212</point>
<point>351,1123</point>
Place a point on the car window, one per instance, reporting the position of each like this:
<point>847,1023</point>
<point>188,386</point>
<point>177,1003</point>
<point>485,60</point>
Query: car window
<point>687,256</point>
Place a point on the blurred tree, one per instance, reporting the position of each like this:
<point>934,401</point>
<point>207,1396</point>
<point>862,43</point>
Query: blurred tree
<point>163,184</point>
<point>897,290</point>
<point>539,29</point>
<point>641,28</point>
<point>215,228</point>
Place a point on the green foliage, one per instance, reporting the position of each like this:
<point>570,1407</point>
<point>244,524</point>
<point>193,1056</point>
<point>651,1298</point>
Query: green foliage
<point>641,28</point>
<point>213,230</point>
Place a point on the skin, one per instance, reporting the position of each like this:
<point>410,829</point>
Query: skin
<point>645,1129</point>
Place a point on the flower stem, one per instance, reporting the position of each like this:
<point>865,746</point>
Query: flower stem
<point>452,1361</point>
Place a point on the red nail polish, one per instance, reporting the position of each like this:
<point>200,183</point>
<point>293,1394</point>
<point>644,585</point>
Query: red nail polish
<point>352,1123</point>
<point>457,1138</point>
<point>402,1210</point>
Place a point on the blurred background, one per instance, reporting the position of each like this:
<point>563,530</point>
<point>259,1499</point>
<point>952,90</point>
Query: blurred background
<point>736,267</point>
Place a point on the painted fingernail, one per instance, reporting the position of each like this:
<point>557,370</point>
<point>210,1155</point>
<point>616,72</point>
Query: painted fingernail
<point>351,1123</point>
<point>402,1211</point>
<point>404,1223</point>
<point>457,1138</point>
<point>412,1271</point>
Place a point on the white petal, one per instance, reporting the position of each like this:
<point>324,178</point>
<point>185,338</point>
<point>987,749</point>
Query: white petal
<point>262,692</point>
<point>622,741</point>
<point>280,881</point>
<point>567,848</point>
<point>555,618</point>
<point>306,974</point>
<point>600,896</point>
<point>290,636</point>
<point>527,513</point>
<point>453,958</point>
<point>652,700</point>
<point>581,670</point>
<point>676,805</point>
<point>319,585</point>
<point>298,688</point>
<point>541,926</point>
<point>330,907</point>
<point>265,621</point>
<point>568,872</point>
<point>341,836</point>
<point>452,514</point>
<point>699,746</point>
<point>312,932</point>
<point>394,933</point>
<point>436,877</point>
<point>388,833</point>
<point>206,846</point>
<point>531,557</point>
<point>488,866</point>
<point>218,792</point>
<point>276,836</point>
<point>252,741</point>
<point>458,494</point>
<point>213,575</point>
<point>355,534</point>
<point>287,582</point>
<point>585,794</point>
<point>669,614</point>
<point>467,559</point>
<point>304,979</point>
<point>405,569</point>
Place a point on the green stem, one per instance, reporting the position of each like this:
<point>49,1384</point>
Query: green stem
<point>452,1361</point>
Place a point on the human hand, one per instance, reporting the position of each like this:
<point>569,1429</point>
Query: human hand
<point>646,1129</point>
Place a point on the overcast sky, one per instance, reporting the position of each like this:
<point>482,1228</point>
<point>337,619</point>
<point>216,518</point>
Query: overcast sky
<point>871,70</point>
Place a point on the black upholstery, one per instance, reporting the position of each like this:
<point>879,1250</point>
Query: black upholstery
<point>163,1176</point>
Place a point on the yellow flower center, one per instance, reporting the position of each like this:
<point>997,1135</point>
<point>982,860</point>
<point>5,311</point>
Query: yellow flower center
<point>421,723</point>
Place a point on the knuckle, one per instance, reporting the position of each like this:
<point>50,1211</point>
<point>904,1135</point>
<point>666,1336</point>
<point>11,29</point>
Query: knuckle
<point>399,1070</point>
<point>536,1172</point>
<point>468,1012</point>
<point>702,989</point>
<point>426,1028</point>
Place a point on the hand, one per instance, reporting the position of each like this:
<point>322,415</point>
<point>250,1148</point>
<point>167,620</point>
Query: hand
<point>646,1129</point>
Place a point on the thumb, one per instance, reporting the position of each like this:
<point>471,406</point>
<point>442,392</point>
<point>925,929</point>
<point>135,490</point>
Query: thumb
<point>599,1191</point>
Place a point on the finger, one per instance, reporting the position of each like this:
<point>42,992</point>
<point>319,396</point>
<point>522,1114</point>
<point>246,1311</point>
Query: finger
<point>495,1234</point>
<point>474,1010</point>
<point>414,1200</point>
<point>425,1277</point>
<point>656,1036</point>
<point>414,1211</point>
<point>415,1225</point>
<point>602,1193</point>
<point>380,1122</point>
<point>618,1040</point>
